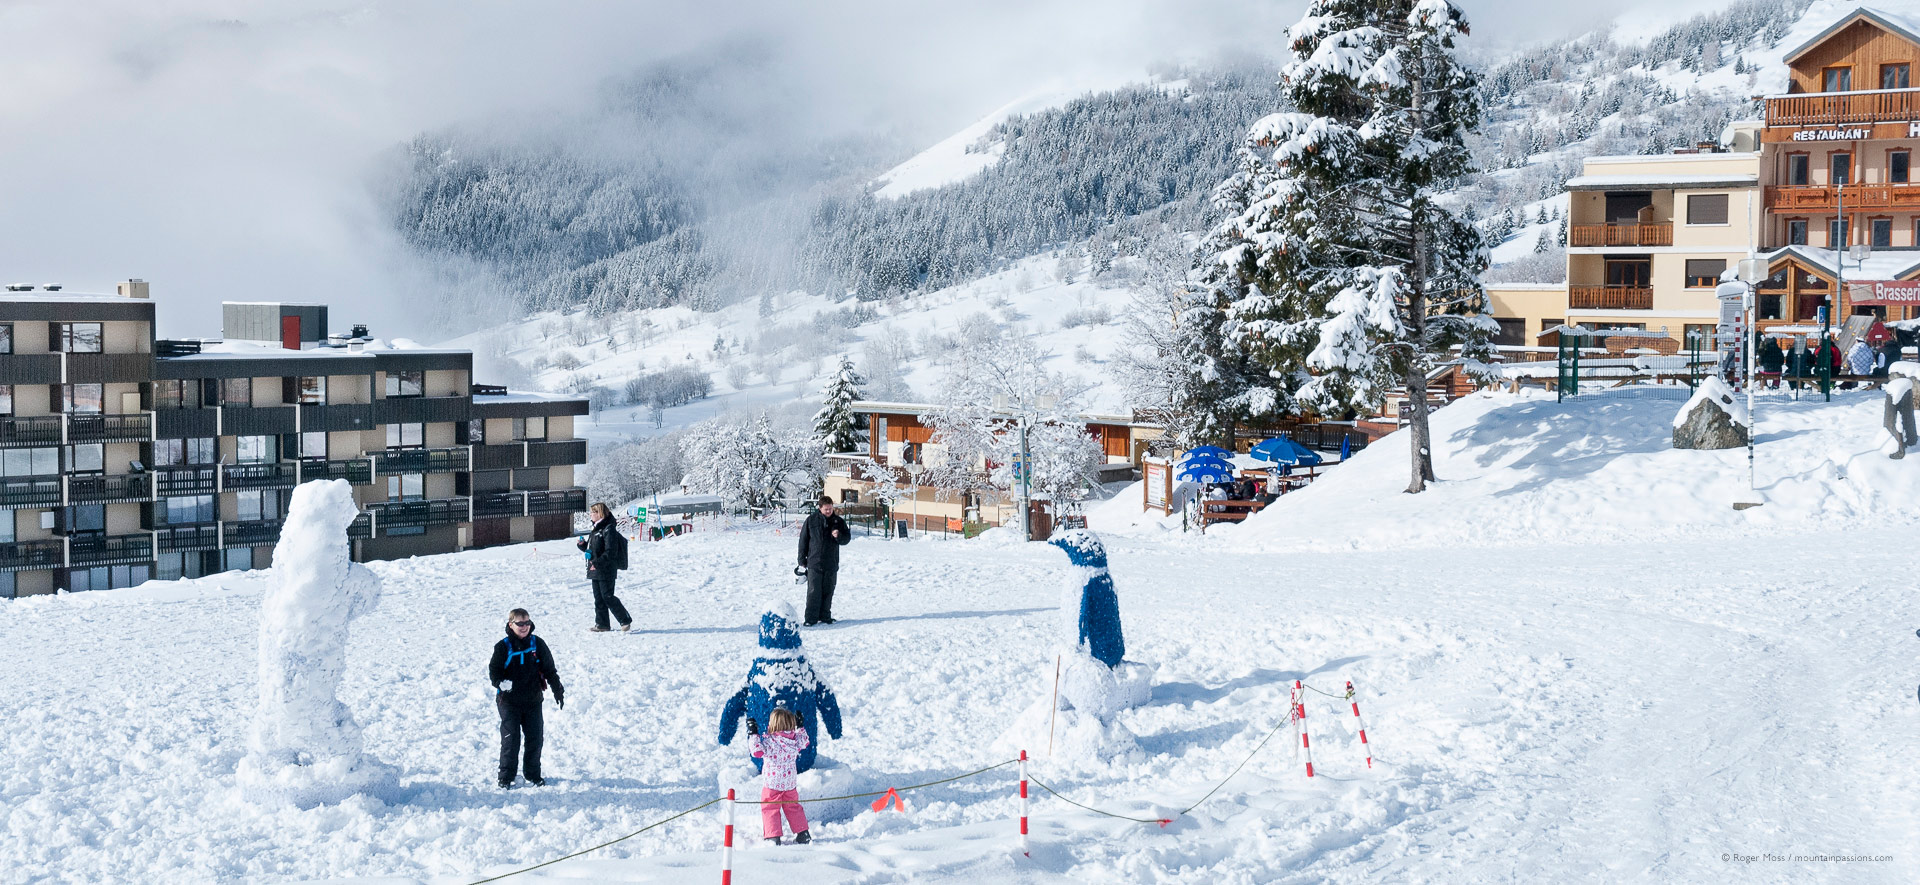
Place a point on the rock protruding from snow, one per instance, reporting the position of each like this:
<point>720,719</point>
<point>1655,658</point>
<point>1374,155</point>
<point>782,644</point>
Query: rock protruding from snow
<point>1712,419</point>
<point>1898,416</point>
<point>305,748</point>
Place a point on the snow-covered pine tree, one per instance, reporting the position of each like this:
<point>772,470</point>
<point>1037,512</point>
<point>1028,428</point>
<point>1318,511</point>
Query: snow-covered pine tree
<point>1542,245</point>
<point>1184,364</point>
<point>835,425</point>
<point>1354,280</point>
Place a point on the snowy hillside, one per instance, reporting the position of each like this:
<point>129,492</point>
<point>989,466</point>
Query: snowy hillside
<point>1664,697</point>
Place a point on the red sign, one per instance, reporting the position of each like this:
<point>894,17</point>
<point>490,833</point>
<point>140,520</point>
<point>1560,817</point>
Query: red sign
<point>1887,292</point>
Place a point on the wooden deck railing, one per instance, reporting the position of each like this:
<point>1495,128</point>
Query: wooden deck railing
<point>1620,235</point>
<point>1831,108</point>
<point>1858,196</point>
<point>1610,297</point>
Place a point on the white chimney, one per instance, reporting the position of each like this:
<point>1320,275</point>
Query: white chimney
<point>133,289</point>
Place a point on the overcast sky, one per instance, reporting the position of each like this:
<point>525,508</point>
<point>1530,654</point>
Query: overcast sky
<point>219,149</point>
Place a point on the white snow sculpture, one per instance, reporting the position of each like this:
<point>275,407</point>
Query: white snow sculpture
<point>305,748</point>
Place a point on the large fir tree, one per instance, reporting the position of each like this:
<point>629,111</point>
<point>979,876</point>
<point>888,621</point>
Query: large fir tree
<point>835,425</point>
<point>1349,278</point>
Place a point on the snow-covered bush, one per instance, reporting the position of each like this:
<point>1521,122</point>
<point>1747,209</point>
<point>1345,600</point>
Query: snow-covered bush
<point>636,469</point>
<point>752,462</point>
<point>998,386</point>
<point>567,361</point>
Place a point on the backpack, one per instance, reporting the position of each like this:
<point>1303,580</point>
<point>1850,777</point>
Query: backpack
<point>617,549</point>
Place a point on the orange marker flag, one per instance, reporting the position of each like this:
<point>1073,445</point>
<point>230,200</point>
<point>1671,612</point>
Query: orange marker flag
<point>880,804</point>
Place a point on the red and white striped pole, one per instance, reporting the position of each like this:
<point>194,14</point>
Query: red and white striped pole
<point>1300,709</point>
<point>726,846</point>
<point>1360,723</point>
<point>1026,845</point>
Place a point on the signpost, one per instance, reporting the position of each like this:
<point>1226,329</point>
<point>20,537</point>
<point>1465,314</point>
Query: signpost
<point>1157,474</point>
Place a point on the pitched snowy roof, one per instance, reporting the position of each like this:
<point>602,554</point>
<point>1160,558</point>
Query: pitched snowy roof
<point>1884,265</point>
<point>1661,182</point>
<point>1891,22</point>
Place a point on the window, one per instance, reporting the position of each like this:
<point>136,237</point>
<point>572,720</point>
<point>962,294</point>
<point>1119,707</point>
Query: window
<point>6,527</point>
<point>531,479</point>
<point>850,496</point>
<point>1706,208</point>
<point>186,509</point>
<point>182,452</point>
<point>1624,207</point>
<point>1880,232</point>
<point>174,566</point>
<point>257,450</point>
<point>6,337</point>
<point>1900,167</point>
<point>1629,272</point>
<point>260,505</point>
<point>107,577</point>
<point>309,445</point>
<point>1796,232</point>
<point>1893,76</point>
<point>1704,273</point>
<point>406,436</point>
<point>910,453</point>
<point>87,518</point>
<point>1797,165</point>
<point>1513,332</point>
<point>29,462</point>
<point>529,428</point>
<point>74,337</point>
<point>312,389</point>
<point>405,383</point>
<point>236,559</point>
<point>87,458</point>
<point>6,399</point>
<point>176,394</point>
<point>1836,80</point>
<point>236,391</point>
<point>477,431</point>
<point>1839,233</point>
<point>406,487</point>
<point>492,481</point>
<point>1701,332</point>
<point>1840,168</point>
<point>82,399</point>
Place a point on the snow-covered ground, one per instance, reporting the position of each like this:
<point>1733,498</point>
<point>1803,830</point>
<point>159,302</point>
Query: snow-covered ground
<point>1578,669</point>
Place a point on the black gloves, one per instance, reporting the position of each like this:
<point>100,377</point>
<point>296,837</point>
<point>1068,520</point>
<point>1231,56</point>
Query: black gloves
<point>752,726</point>
<point>560,701</point>
<point>799,720</point>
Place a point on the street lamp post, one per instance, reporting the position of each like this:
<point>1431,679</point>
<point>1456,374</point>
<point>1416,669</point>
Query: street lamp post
<point>1751,272</point>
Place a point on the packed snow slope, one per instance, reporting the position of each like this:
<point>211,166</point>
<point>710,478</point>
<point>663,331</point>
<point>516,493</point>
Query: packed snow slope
<point>1665,699</point>
<point>1519,468</point>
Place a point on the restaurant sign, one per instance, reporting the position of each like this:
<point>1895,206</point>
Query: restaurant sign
<point>1884,292</point>
<point>1831,134</point>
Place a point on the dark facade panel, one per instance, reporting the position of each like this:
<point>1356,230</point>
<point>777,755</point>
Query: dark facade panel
<point>134,309</point>
<point>344,417</point>
<point>109,367</point>
<point>30,368</point>
<point>422,360</point>
<point>482,408</point>
<point>215,366</point>
<point>252,421</point>
<point>187,423</point>
<point>419,409</point>
<point>557,453</point>
<point>499,457</point>
<point>436,539</point>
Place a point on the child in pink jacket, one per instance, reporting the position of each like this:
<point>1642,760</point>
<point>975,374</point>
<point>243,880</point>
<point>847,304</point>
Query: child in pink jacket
<point>779,748</point>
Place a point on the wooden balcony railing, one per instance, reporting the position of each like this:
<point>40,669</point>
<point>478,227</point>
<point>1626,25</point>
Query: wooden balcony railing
<point>1610,297</point>
<point>1831,108</point>
<point>1620,235</point>
<point>1864,197</point>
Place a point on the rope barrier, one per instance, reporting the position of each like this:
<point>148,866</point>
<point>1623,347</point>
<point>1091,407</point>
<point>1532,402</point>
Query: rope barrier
<point>601,845</point>
<point>879,792</point>
<point>1139,820</point>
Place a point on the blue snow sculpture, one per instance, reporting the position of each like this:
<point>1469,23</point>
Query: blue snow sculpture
<point>1099,606</point>
<point>781,677</point>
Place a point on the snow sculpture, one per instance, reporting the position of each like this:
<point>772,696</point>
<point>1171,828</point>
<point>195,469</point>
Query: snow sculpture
<point>782,677</point>
<point>1094,683</point>
<point>305,748</point>
<point>1713,419</point>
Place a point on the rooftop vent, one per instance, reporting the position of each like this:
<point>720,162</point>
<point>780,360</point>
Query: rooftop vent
<point>19,287</point>
<point>360,330</point>
<point>53,287</point>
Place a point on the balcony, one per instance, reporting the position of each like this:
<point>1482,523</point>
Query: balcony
<point>500,504</point>
<point>173,539</point>
<point>255,533</point>
<point>530,503</point>
<point>43,430</point>
<point>109,367</point>
<point>422,409</point>
<point>1865,197</point>
<point>1836,108</point>
<point>195,479</point>
<point>183,423</point>
<point>83,488</point>
<point>30,368</point>
<point>257,420</point>
<point>499,457</point>
<point>274,475</point>
<point>444,460</point>
<point>32,555</point>
<point>1620,235</point>
<point>92,428</point>
<point>1610,297</point>
<point>358,471</point>
<point>89,550</point>
<point>347,416</point>
<point>438,511</point>
<point>29,491</point>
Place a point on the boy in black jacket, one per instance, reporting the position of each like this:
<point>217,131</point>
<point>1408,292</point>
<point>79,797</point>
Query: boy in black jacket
<point>521,668</point>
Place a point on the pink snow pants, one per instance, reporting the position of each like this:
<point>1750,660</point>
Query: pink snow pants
<point>775,801</point>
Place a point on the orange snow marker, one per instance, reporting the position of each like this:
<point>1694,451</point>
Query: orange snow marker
<point>1360,723</point>
<point>726,846</point>
<point>1026,846</point>
<point>880,804</point>
<point>1300,716</point>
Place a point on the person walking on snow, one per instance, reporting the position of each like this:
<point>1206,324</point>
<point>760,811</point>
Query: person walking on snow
<point>777,750</point>
<point>522,667</point>
<point>606,551</point>
<point>820,541</point>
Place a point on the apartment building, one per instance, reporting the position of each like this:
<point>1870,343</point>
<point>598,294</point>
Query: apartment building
<point>124,457</point>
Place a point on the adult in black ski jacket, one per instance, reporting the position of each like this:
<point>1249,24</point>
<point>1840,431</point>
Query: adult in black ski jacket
<point>820,541</point>
<point>521,668</point>
<point>606,555</point>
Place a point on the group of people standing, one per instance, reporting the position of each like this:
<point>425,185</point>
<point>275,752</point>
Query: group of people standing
<point>1804,359</point>
<point>522,668</point>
